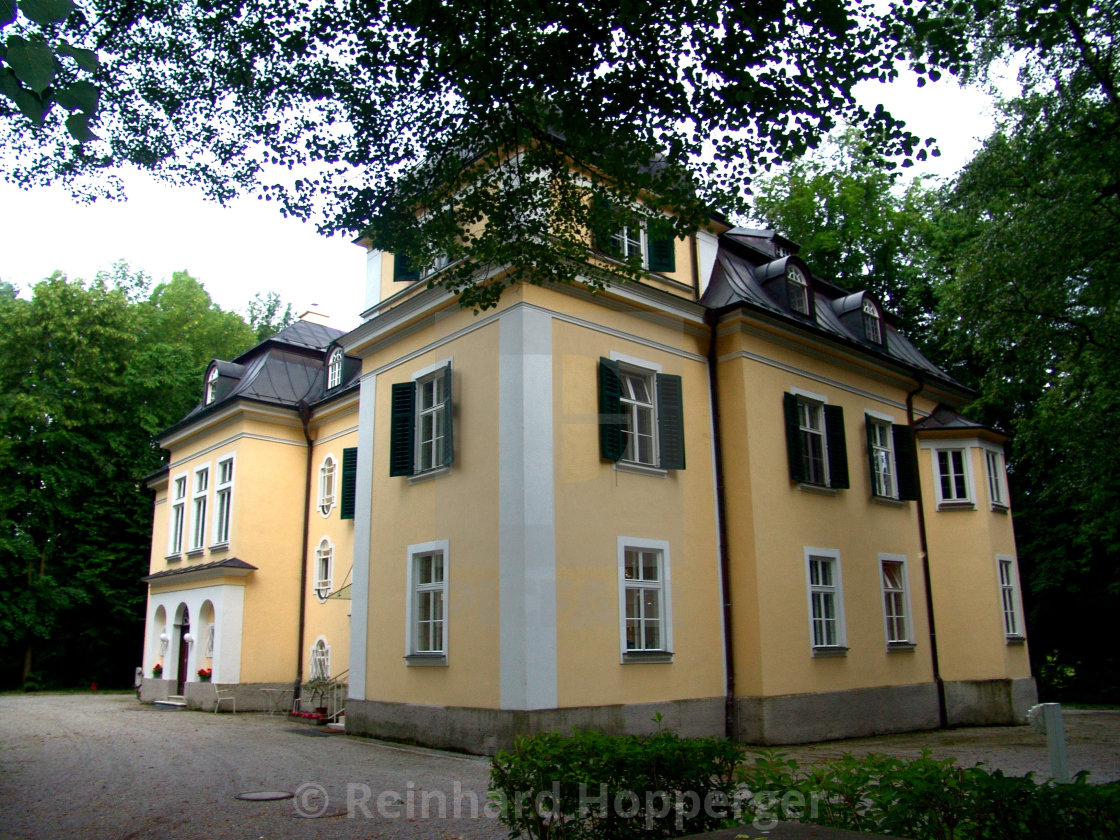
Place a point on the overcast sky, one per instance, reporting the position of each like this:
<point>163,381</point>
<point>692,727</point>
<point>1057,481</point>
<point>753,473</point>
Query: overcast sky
<point>248,247</point>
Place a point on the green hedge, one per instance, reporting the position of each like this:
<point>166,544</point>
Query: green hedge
<point>928,799</point>
<point>589,785</point>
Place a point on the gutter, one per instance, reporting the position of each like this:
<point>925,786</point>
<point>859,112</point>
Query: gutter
<point>305,418</point>
<point>942,710</point>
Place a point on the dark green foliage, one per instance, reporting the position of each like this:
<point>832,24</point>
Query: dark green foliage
<point>928,799</point>
<point>589,785</point>
<point>89,374</point>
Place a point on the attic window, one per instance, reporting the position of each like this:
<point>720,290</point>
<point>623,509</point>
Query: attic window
<point>334,369</point>
<point>872,328</point>
<point>797,290</point>
<point>211,385</point>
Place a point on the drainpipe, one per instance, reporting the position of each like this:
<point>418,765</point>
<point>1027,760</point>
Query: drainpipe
<point>729,718</point>
<point>942,711</point>
<point>305,418</point>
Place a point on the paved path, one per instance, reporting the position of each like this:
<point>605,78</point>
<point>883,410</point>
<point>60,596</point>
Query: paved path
<point>81,766</point>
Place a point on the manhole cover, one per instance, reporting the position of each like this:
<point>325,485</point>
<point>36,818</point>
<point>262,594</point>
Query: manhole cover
<point>265,795</point>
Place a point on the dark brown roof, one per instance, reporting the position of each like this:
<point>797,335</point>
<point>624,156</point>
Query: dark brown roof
<point>228,563</point>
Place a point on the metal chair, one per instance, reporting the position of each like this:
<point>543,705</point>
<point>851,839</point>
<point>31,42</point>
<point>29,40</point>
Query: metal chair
<point>222,695</point>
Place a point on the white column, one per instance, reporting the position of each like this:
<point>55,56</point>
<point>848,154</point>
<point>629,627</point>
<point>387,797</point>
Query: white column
<point>527,527</point>
<point>363,500</point>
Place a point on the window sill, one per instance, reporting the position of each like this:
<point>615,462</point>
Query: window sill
<point>640,469</point>
<point>428,475</point>
<point>647,657</point>
<point>964,505</point>
<point>889,501</point>
<point>998,508</point>
<point>224,546</point>
<point>173,558</point>
<point>829,652</point>
<point>816,488</point>
<point>426,659</point>
<point>901,647</point>
<point>1016,640</point>
<point>196,552</point>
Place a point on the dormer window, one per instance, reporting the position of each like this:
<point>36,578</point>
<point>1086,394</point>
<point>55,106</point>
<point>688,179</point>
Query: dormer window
<point>211,385</point>
<point>797,290</point>
<point>872,326</point>
<point>334,369</point>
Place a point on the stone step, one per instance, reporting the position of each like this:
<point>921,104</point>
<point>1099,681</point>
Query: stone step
<point>176,700</point>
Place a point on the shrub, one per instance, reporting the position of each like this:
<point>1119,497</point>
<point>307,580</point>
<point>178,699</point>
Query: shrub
<point>928,799</point>
<point>589,785</point>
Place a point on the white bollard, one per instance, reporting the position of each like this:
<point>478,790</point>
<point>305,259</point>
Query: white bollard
<point>1047,719</point>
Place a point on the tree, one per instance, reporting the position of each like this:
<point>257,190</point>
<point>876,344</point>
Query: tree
<point>1032,300</point>
<point>90,373</point>
<point>415,121</point>
<point>266,317</point>
<point>857,227</point>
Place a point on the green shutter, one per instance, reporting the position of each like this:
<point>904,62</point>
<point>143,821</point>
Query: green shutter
<point>670,421</point>
<point>448,438</point>
<point>403,271</point>
<point>402,429</point>
<point>610,411</point>
<point>793,439</point>
<point>837,448</point>
<point>661,254</point>
<point>349,478</point>
<point>904,461</point>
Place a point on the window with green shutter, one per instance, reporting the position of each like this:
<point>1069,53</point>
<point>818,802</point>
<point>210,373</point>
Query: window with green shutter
<point>403,270</point>
<point>641,416</point>
<point>815,445</point>
<point>661,254</point>
<point>349,480</point>
<point>890,454</point>
<point>421,435</point>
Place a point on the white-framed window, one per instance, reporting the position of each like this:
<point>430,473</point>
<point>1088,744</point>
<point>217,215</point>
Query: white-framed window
<point>644,602</point>
<point>896,599</point>
<point>427,601</point>
<point>178,515</point>
<point>328,471</point>
<point>211,385</point>
<point>872,326</point>
<point>815,440</point>
<point>431,426</point>
<point>1010,601</point>
<point>997,479</point>
<point>320,660</point>
<point>810,420</point>
<point>223,501</point>
<point>334,369</point>
<point>797,290</point>
<point>952,477</point>
<point>881,442</point>
<point>199,493</point>
<point>826,602</point>
<point>324,569</point>
<point>639,416</point>
<point>628,242</point>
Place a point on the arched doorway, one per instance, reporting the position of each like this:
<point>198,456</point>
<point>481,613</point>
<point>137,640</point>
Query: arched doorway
<point>184,650</point>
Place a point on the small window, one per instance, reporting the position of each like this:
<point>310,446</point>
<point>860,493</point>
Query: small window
<point>334,369</point>
<point>223,501</point>
<point>420,430</point>
<point>178,515</point>
<point>211,385</point>
<point>326,485</point>
<point>890,453</point>
<point>428,602</point>
<point>797,290</point>
<point>1009,598</point>
<point>198,508</point>
<point>324,569</point>
<point>644,604</point>
<point>815,443</point>
<point>826,609</point>
<point>952,478</point>
<point>627,242</point>
<point>641,416</point>
<point>872,326</point>
<point>320,660</point>
<point>896,607</point>
<point>997,488</point>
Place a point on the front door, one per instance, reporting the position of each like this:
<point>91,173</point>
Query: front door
<point>184,652</point>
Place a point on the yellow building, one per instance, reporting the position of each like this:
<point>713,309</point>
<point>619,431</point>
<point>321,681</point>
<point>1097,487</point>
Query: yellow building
<point>729,498</point>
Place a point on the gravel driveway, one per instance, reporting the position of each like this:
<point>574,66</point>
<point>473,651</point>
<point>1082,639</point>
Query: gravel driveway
<point>103,766</point>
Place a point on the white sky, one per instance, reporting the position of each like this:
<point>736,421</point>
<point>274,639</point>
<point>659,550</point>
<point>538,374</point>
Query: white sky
<point>248,247</point>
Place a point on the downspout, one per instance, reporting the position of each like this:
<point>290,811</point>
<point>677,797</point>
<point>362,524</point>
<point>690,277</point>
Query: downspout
<point>305,418</point>
<point>729,716</point>
<point>942,711</point>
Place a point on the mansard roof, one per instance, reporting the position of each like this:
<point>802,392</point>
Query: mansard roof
<point>749,262</point>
